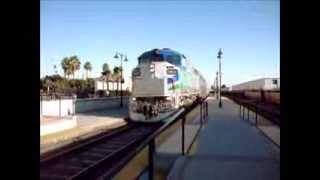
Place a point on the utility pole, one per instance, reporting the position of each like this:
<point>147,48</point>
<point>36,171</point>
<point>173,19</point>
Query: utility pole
<point>219,57</point>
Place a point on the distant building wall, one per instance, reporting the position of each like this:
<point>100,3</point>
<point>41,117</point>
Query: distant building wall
<point>93,104</point>
<point>102,85</point>
<point>64,107</point>
<point>259,84</point>
<point>272,83</point>
<point>57,107</point>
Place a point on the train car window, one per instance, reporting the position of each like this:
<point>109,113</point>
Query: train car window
<point>136,72</point>
<point>274,81</point>
<point>162,55</point>
<point>149,57</point>
<point>174,59</point>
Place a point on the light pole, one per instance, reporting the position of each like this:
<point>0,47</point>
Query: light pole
<point>217,87</point>
<point>219,57</point>
<point>125,59</point>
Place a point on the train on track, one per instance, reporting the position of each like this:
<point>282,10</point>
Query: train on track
<point>163,82</point>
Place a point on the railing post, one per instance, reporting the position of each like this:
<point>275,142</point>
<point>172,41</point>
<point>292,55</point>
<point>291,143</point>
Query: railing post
<point>151,164</point>
<point>41,105</point>
<point>182,135</point>
<point>60,106</point>
<point>248,114</point>
<point>243,112</point>
<point>74,106</point>
<point>207,110</point>
<point>256,116</point>
<point>201,112</point>
<point>240,109</point>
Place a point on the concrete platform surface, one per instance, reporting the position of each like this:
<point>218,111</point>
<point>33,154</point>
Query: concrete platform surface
<point>273,132</point>
<point>50,125</point>
<point>88,124</point>
<point>229,148</point>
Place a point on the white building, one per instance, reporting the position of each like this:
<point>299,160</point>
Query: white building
<point>101,84</point>
<point>259,84</point>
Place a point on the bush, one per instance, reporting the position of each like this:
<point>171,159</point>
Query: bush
<point>82,88</point>
<point>60,85</point>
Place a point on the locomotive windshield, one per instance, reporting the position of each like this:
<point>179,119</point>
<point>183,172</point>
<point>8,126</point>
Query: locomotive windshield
<point>161,55</point>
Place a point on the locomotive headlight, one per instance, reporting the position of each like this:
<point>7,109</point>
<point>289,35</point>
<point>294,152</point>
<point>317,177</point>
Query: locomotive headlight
<point>133,99</point>
<point>136,72</point>
<point>172,71</point>
<point>152,69</point>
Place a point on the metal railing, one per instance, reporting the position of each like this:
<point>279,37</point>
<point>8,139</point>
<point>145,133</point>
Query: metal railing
<point>244,112</point>
<point>253,106</point>
<point>151,144</point>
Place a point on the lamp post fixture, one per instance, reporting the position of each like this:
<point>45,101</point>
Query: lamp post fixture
<point>122,58</point>
<point>219,57</point>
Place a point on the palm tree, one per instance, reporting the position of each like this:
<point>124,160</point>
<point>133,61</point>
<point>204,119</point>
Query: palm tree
<point>87,66</point>
<point>66,67</point>
<point>75,64</point>
<point>106,72</point>
<point>48,84</point>
<point>116,76</point>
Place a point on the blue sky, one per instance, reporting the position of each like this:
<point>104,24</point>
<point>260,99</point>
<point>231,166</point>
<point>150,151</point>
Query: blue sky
<point>247,31</point>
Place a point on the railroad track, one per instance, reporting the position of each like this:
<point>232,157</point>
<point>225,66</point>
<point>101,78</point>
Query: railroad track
<point>94,158</point>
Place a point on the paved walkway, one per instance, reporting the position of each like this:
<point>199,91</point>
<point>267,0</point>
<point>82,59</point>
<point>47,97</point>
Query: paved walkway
<point>88,124</point>
<point>229,148</point>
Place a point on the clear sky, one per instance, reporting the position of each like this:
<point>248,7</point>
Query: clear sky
<point>247,31</point>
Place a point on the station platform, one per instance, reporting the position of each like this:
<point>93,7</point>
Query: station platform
<point>53,124</point>
<point>229,147</point>
<point>88,124</point>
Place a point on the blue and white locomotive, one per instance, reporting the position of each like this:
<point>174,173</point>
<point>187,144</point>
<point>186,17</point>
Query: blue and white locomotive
<point>163,82</point>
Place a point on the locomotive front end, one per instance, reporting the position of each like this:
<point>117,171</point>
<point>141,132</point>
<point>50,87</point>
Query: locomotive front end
<point>154,96</point>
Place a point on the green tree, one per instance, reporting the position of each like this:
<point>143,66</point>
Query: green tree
<point>75,64</point>
<point>66,67</point>
<point>70,65</point>
<point>117,76</point>
<point>106,73</point>
<point>48,84</point>
<point>88,67</point>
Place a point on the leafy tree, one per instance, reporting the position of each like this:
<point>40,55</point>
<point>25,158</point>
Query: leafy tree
<point>48,84</point>
<point>106,72</point>
<point>88,67</point>
<point>66,67</point>
<point>75,64</point>
<point>60,85</point>
<point>117,76</point>
<point>41,84</point>
<point>70,65</point>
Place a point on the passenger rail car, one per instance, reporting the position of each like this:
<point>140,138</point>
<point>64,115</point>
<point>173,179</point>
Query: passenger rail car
<point>163,81</point>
